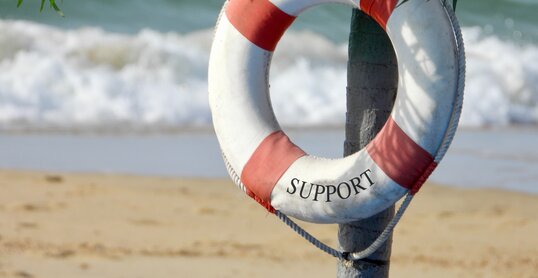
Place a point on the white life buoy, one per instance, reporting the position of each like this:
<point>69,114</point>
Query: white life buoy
<point>278,174</point>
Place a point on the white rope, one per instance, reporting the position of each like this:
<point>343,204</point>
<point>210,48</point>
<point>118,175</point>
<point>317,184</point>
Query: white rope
<point>385,234</point>
<point>310,238</point>
<point>456,112</point>
<point>345,255</point>
<point>235,177</point>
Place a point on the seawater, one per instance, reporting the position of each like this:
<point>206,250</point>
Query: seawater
<point>474,159</point>
<point>143,64</point>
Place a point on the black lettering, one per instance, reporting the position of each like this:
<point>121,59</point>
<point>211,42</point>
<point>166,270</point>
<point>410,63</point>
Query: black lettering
<point>293,183</point>
<point>340,193</point>
<point>318,191</point>
<point>331,189</point>
<point>368,177</point>
<point>343,189</point>
<point>355,182</point>
<point>302,188</point>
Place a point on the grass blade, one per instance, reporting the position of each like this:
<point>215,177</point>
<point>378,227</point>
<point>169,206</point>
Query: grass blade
<point>56,8</point>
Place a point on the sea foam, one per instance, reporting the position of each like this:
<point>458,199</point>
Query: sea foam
<point>91,79</point>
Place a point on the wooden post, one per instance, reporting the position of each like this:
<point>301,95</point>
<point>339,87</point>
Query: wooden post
<point>372,83</point>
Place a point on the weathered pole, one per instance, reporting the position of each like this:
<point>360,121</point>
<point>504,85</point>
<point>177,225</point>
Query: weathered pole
<point>372,83</point>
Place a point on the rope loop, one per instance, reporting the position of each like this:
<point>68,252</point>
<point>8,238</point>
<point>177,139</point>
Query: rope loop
<point>349,256</point>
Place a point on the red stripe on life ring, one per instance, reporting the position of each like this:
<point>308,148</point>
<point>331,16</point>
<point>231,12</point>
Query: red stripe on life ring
<point>380,10</point>
<point>267,164</point>
<point>260,21</point>
<point>403,160</point>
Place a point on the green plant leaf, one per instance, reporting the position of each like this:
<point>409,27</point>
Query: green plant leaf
<point>42,6</point>
<point>56,8</point>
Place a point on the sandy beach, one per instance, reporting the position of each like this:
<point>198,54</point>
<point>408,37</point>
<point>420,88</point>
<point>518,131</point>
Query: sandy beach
<point>85,225</point>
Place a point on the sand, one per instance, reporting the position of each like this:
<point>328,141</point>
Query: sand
<point>84,225</point>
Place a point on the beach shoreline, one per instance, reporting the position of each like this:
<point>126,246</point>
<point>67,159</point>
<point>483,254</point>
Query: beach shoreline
<point>477,157</point>
<point>108,225</point>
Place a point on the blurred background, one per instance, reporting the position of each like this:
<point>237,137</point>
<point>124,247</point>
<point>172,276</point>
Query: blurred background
<point>121,86</point>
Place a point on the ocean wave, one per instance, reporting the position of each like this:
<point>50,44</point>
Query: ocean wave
<point>88,78</point>
<point>501,81</point>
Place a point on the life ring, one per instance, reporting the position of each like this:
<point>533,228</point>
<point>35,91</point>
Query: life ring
<point>279,175</point>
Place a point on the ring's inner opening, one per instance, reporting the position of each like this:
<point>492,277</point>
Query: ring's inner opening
<point>308,80</point>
